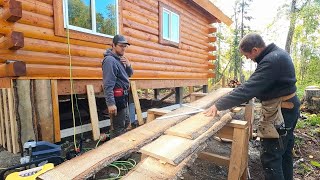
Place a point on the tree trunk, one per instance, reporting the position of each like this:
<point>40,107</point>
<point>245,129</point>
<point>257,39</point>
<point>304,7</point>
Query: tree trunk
<point>312,100</point>
<point>292,25</point>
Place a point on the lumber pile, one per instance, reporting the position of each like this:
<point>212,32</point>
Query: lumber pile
<point>169,154</point>
<point>91,162</point>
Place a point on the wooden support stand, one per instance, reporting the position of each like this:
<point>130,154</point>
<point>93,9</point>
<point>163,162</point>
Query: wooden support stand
<point>197,95</point>
<point>237,132</point>
<point>155,112</point>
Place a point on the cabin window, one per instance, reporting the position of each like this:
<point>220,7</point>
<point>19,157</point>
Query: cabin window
<point>92,16</point>
<point>169,26</point>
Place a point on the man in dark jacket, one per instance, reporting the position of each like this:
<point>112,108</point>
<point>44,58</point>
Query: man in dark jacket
<point>273,78</point>
<point>116,72</point>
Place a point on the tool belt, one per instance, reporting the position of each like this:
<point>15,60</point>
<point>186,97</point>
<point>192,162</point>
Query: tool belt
<point>121,98</point>
<point>272,119</point>
<point>285,104</point>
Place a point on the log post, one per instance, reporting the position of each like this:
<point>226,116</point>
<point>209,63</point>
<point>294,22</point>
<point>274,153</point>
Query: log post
<point>13,12</point>
<point>12,69</point>
<point>13,41</point>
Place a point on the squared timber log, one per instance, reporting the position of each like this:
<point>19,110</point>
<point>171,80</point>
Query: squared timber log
<point>12,69</point>
<point>13,41</point>
<point>13,11</point>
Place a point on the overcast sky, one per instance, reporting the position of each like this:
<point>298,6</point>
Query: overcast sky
<point>263,12</point>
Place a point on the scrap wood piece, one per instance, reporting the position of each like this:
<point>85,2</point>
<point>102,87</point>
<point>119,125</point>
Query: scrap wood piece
<point>91,162</point>
<point>192,127</point>
<point>174,149</point>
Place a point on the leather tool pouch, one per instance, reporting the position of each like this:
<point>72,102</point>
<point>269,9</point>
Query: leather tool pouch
<point>121,98</point>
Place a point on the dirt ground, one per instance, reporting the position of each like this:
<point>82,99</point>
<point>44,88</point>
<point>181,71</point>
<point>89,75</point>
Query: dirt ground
<point>307,149</point>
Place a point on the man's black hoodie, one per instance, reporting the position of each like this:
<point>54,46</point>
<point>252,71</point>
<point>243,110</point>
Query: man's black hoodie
<point>115,75</point>
<point>274,77</point>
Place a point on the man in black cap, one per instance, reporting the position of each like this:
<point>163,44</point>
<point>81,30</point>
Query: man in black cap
<point>116,72</point>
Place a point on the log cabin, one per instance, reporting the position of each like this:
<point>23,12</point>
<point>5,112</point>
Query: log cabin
<point>52,48</point>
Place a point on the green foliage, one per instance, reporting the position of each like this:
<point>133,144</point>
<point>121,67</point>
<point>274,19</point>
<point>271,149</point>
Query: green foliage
<point>301,124</point>
<point>80,16</point>
<point>303,169</point>
<point>314,120</point>
<point>315,163</point>
<point>306,44</point>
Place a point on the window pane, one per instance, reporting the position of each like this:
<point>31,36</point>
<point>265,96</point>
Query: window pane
<point>79,12</point>
<point>174,27</point>
<point>165,25</point>
<point>106,17</point>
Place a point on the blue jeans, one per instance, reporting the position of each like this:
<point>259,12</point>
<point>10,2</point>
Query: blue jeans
<point>276,154</point>
<point>120,122</point>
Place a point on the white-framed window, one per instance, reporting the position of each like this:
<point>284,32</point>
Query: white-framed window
<point>170,25</point>
<point>99,17</point>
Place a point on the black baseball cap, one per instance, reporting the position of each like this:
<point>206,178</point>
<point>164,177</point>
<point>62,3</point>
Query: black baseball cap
<point>119,39</point>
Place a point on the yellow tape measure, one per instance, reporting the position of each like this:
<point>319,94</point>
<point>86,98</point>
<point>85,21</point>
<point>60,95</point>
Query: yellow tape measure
<point>30,174</point>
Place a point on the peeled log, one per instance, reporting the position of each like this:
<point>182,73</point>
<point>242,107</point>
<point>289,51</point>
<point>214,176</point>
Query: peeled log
<point>14,68</point>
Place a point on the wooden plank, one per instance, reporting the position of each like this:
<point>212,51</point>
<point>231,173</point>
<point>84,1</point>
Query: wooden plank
<point>25,114</point>
<point>192,127</point>
<point>160,170</point>
<point>226,133</point>
<point>237,153</point>
<point>156,112</point>
<point>93,112</point>
<point>55,110</point>
<point>43,110</point>
<point>6,119</point>
<point>196,95</point>
<point>215,158</point>
<point>173,149</point>
<point>2,136</point>
<point>249,116</point>
<point>84,128</point>
<point>94,160</point>
<point>136,102</point>
<point>13,122</point>
<point>5,83</point>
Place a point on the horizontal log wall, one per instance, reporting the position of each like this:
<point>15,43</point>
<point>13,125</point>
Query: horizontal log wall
<point>47,55</point>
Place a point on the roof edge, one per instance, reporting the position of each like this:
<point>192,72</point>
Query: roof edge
<point>214,10</point>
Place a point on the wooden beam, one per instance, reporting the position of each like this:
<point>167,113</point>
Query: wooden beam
<point>5,83</point>
<point>212,30</point>
<point>212,57</point>
<point>55,110</point>
<point>212,9</point>
<point>6,119</point>
<point>2,130</point>
<point>96,159</point>
<point>212,39</point>
<point>13,41</point>
<point>12,69</point>
<point>215,158</point>
<point>136,102</point>
<point>192,127</point>
<point>93,112</point>
<point>239,153</point>
<point>13,11</point>
<point>212,48</point>
<point>13,122</point>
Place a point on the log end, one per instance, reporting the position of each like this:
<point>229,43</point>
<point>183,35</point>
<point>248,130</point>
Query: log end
<point>14,11</point>
<point>16,40</point>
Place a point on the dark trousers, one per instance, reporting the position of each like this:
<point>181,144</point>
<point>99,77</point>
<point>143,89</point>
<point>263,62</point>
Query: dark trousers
<point>120,122</point>
<point>276,158</point>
